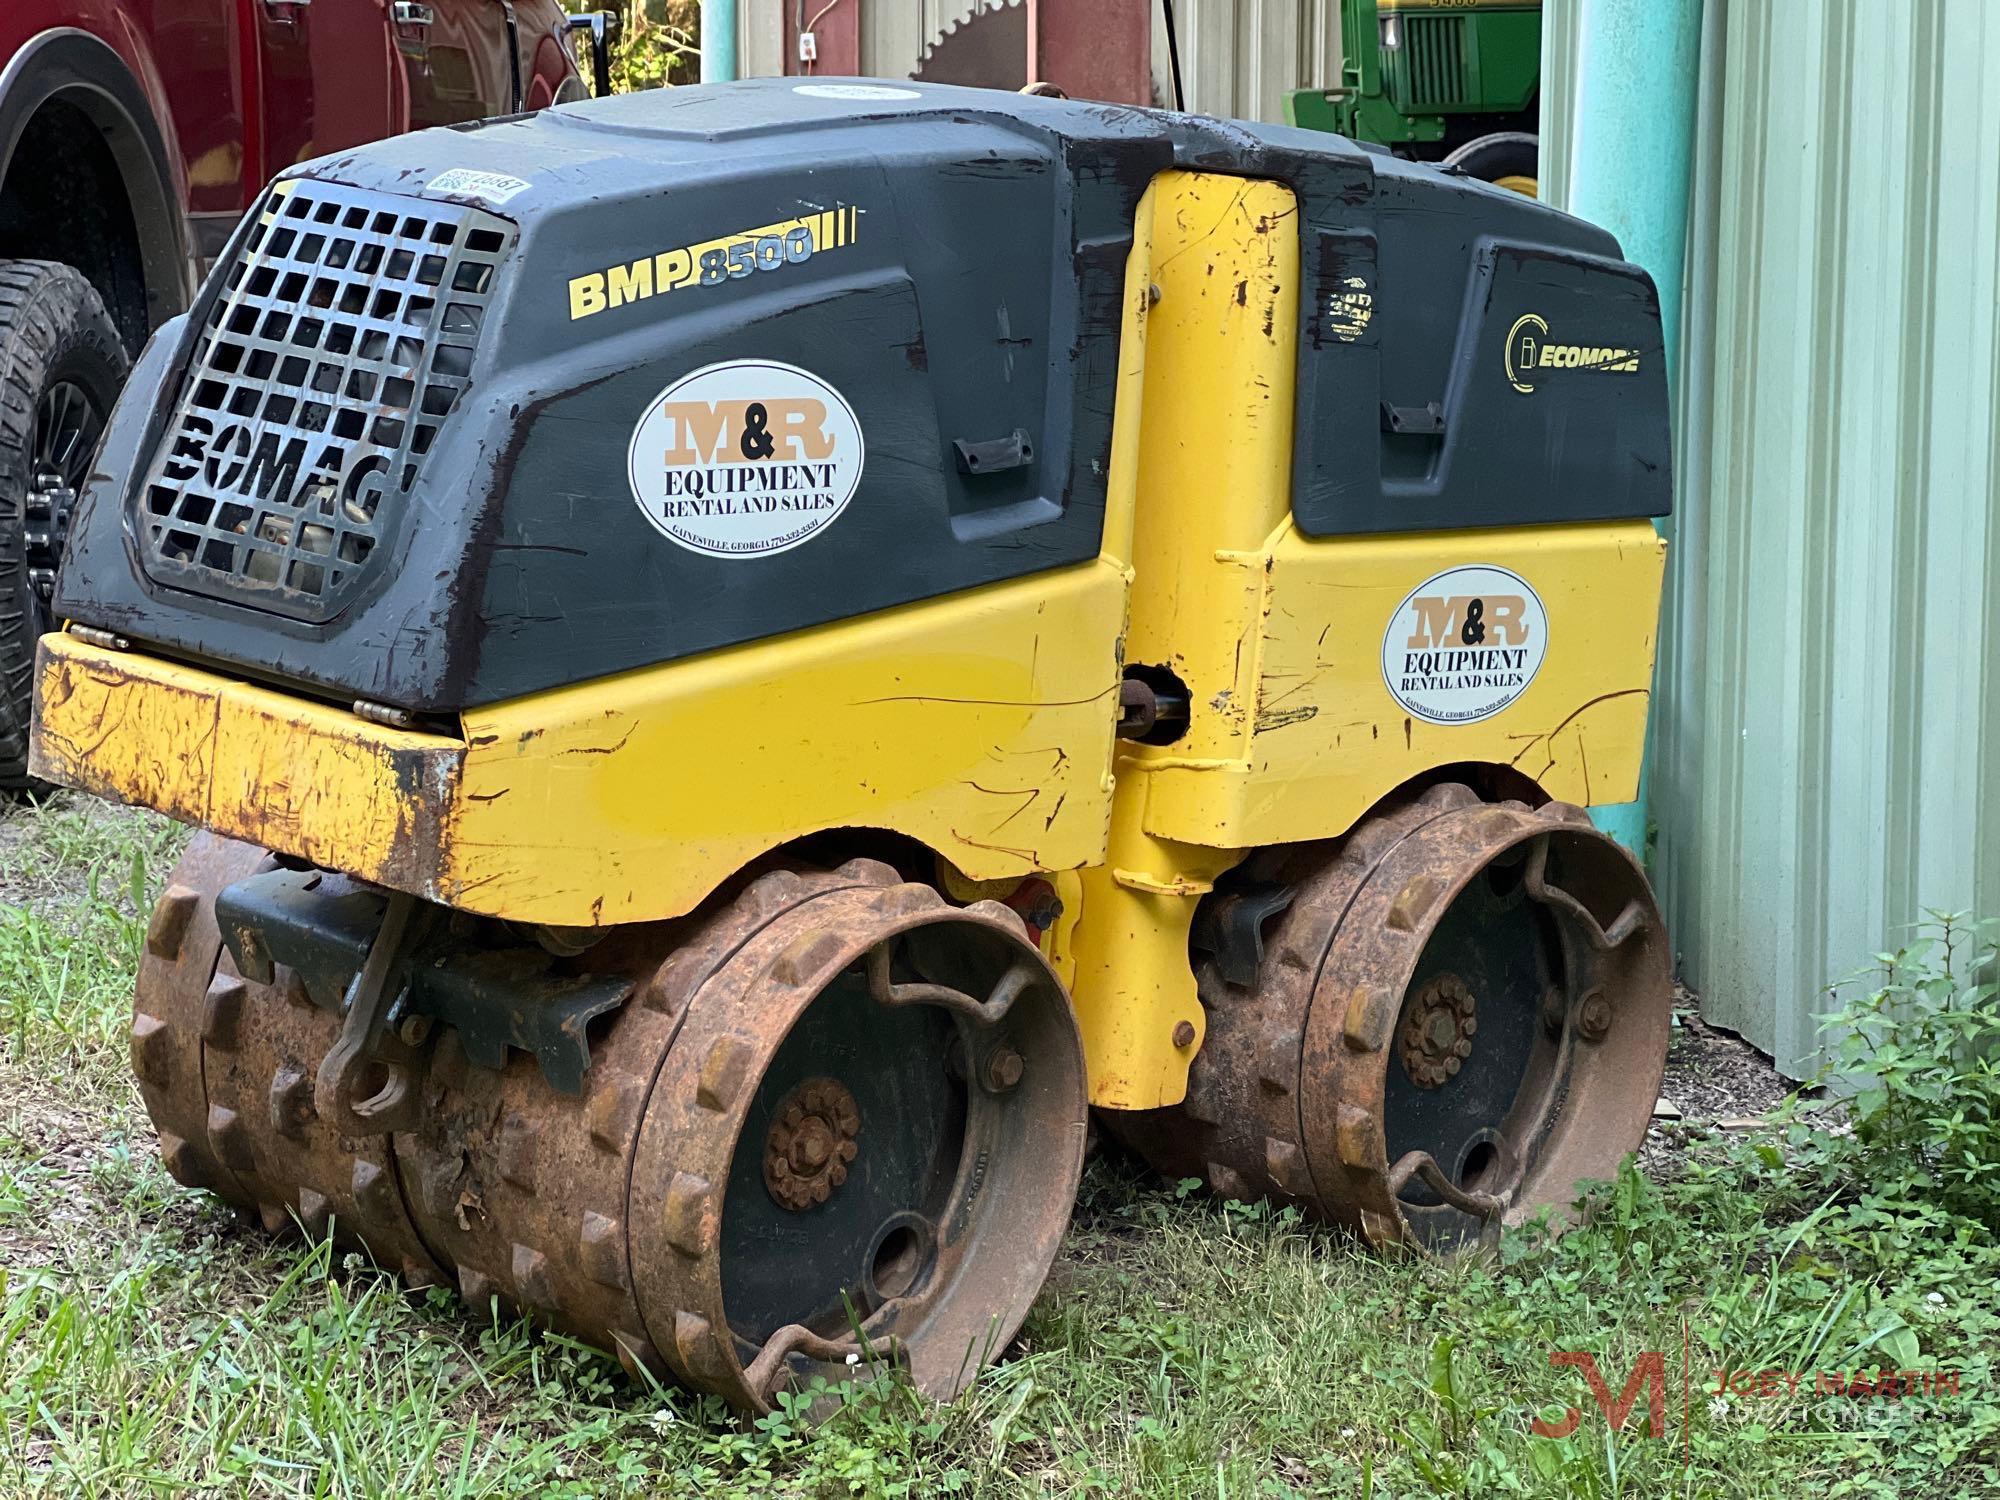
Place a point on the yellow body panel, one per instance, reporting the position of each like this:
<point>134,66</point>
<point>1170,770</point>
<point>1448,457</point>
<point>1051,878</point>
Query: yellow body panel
<point>1294,733</point>
<point>1216,452</point>
<point>1324,738</point>
<point>1134,992</point>
<point>981,723</point>
<point>1213,467</point>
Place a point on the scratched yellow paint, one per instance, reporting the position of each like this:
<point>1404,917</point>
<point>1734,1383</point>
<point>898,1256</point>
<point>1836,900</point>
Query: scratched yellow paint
<point>1136,1004</point>
<point>980,723</point>
<point>1278,637</point>
<point>1326,739</point>
<point>1295,734</point>
<point>247,761</point>
<point>1212,473</point>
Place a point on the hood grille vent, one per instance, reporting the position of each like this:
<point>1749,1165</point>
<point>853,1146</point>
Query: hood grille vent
<point>339,343</point>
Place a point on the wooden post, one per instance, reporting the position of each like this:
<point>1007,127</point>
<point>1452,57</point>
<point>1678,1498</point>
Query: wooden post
<point>836,27</point>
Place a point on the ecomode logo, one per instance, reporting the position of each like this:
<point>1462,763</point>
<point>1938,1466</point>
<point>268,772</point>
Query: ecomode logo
<point>746,458</point>
<point>1530,352</point>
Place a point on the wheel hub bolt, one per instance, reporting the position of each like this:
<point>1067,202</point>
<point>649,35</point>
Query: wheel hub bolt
<point>1437,1031</point>
<point>1003,1069</point>
<point>1593,1017</point>
<point>811,1144</point>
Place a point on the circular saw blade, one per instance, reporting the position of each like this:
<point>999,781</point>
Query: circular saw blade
<point>986,50</point>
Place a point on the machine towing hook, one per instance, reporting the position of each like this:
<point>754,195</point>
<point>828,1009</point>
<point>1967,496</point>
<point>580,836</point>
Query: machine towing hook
<point>360,1089</point>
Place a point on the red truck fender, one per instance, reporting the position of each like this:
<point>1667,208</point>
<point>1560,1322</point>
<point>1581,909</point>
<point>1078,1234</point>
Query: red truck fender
<point>88,73</point>
<point>134,134</point>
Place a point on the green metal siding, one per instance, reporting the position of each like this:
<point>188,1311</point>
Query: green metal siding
<point>1827,762</point>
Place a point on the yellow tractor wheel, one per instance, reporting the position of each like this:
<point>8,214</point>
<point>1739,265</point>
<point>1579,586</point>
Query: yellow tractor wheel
<point>1507,158</point>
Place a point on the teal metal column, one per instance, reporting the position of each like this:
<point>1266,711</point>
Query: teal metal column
<point>718,41</point>
<point>1630,157</point>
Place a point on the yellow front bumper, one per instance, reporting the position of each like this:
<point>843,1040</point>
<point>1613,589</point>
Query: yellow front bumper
<point>300,777</point>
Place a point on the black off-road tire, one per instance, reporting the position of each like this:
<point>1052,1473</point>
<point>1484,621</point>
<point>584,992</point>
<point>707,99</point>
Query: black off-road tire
<point>61,364</point>
<point>1506,157</point>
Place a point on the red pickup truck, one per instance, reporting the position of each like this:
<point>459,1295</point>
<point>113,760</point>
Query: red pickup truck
<point>133,135</point>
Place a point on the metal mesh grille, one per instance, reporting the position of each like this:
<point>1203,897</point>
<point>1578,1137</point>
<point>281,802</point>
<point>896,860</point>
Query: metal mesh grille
<point>341,341</point>
<point>1435,46</point>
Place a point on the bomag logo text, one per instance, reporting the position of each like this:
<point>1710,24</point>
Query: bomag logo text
<point>238,461</point>
<point>732,257</point>
<point>1530,351</point>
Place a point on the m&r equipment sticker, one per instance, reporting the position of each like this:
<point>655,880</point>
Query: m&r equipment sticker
<point>1464,644</point>
<point>746,458</point>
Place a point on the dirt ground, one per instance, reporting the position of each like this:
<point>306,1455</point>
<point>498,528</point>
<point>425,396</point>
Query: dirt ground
<point>1713,1077</point>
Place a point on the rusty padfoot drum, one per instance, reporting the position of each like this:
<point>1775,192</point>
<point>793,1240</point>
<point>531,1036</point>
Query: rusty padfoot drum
<point>1427,1029</point>
<point>838,1121</point>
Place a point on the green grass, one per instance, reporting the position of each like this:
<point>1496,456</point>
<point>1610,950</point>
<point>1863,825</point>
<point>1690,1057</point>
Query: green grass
<point>78,878</point>
<point>149,1344</point>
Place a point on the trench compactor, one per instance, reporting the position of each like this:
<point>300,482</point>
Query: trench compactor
<point>747,657</point>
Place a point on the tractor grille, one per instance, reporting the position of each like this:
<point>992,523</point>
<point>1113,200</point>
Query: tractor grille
<point>1435,49</point>
<point>329,360</point>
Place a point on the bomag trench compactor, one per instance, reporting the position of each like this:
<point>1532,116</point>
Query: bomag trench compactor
<point>746,657</point>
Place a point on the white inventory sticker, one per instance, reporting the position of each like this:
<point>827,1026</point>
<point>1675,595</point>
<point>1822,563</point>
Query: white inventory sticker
<point>1464,644</point>
<point>464,182</point>
<point>746,458</point>
<point>875,91</point>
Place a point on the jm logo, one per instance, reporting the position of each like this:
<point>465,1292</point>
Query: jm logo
<point>1649,1375</point>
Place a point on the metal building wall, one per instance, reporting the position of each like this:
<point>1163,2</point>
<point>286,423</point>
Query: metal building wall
<point>1828,757</point>
<point>1238,57</point>
<point>760,38</point>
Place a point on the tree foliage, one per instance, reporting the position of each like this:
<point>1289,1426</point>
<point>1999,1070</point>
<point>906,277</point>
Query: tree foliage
<point>654,43</point>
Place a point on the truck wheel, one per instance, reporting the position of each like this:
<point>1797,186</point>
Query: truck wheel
<point>61,364</point>
<point>1507,158</point>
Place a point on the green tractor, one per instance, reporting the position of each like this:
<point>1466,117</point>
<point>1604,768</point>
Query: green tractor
<point>1451,81</point>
